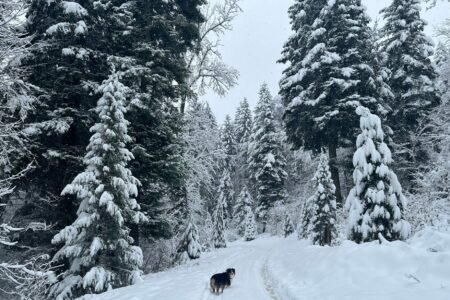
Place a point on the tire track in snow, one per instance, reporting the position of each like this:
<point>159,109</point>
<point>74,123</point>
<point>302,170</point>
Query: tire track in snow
<point>267,284</point>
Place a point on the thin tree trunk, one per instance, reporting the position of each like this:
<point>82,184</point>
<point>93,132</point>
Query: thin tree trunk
<point>332,153</point>
<point>183,105</point>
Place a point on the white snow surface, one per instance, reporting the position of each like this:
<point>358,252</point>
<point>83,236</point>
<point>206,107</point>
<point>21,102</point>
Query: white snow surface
<point>275,268</point>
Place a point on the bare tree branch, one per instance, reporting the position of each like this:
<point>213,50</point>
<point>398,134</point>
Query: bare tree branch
<point>208,71</point>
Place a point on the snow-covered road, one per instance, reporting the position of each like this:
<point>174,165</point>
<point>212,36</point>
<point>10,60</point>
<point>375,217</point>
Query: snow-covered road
<point>274,268</point>
<point>191,282</point>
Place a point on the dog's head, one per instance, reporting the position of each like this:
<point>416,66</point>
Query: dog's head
<point>231,273</point>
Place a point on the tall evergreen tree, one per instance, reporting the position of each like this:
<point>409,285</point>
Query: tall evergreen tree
<point>226,196</point>
<point>267,161</point>
<point>243,123</point>
<point>98,245</point>
<point>330,72</point>
<point>202,155</point>
<point>244,200</point>
<point>79,38</point>
<point>229,143</point>
<point>323,220</point>
<point>219,224</point>
<point>249,224</point>
<point>413,77</point>
<point>376,203</point>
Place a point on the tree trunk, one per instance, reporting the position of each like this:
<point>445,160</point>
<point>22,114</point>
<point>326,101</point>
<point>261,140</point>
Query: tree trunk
<point>332,153</point>
<point>183,105</point>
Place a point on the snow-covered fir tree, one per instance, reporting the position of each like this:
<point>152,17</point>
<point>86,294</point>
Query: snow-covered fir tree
<point>206,233</point>
<point>226,194</point>
<point>429,206</point>
<point>323,219</point>
<point>161,34</point>
<point>266,159</point>
<point>304,227</point>
<point>288,227</point>
<point>243,123</point>
<point>202,156</point>
<point>98,245</point>
<point>219,223</point>
<point>249,224</point>
<point>242,202</point>
<point>413,77</point>
<point>229,143</point>
<point>189,246</point>
<point>66,67</point>
<point>329,73</point>
<point>376,203</point>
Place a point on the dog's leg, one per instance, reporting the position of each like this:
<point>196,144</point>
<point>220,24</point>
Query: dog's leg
<point>212,284</point>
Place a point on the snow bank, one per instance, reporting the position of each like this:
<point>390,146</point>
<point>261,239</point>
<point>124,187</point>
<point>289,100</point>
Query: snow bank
<point>418,269</point>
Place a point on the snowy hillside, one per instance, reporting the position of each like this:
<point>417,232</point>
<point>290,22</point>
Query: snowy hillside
<point>278,268</point>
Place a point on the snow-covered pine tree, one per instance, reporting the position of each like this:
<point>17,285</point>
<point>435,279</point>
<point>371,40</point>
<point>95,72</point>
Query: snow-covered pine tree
<point>323,221</point>
<point>206,234</point>
<point>429,205</point>
<point>266,159</point>
<point>202,156</point>
<point>97,245</point>
<point>376,203</point>
<point>249,224</point>
<point>442,57</point>
<point>67,67</point>
<point>243,123</point>
<point>219,223</point>
<point>329,74</point>
<point>229,143</point>
<point>159,39</point>
<point>304,227</point>
<point>226,194</point>
<point>288,227</point>
<point>412,80</point>
<point>189,245</point>
<point>244,200</point>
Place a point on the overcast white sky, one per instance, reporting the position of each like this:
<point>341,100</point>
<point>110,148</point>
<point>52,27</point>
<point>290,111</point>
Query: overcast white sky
<point>255,44</point>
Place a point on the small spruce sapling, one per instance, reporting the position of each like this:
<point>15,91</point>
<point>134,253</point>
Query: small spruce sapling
<point>304,226</point>
<point>189,245</point>
<point>288,227</point>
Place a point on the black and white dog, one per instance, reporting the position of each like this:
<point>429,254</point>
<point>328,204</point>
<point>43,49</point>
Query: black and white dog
<point>221,281</point>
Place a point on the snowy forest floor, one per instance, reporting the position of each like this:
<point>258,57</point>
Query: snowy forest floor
<point>285,269</point>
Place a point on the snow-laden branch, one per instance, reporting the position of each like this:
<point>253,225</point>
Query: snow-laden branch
<point>30,279</point>
<point>14,44</point>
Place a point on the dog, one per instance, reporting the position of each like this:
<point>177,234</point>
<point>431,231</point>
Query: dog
<point>221,281</point>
